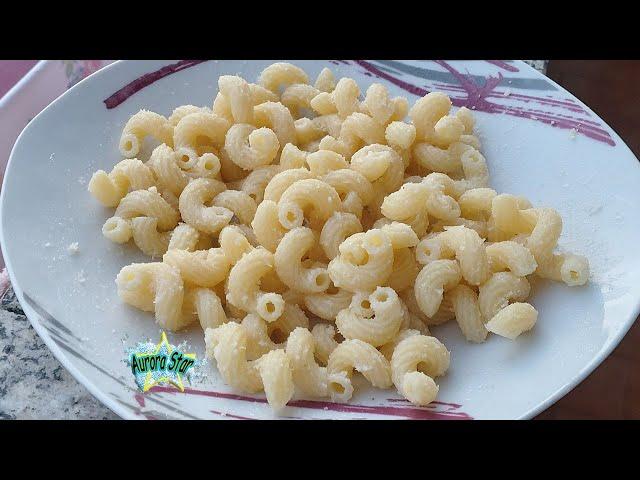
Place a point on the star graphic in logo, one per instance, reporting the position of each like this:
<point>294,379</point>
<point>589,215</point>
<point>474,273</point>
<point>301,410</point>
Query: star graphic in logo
<point>161,364</point>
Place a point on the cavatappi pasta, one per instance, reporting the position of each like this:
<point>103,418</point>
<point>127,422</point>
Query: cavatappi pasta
<point>316,230</point>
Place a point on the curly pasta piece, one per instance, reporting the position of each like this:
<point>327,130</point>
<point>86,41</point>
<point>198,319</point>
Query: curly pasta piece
<point>305,195</point>
<point>365,261</point>
<point>238,94</point>
<point>511,255</point>
<point>205,268</point>
<point>378,104</point>
<point>234,243</point>
<point>117,230</point>
<point>388,348</point>
<point>288,262</point>
<point>154,287</point>
<point>475,203</point>
<point>383,167</point>
<point>569,268</point>
<point>323,335</point>
<point>207,166</point>
<point>506,214</point>
<point>546,232</point>
<point>347,181</point>
<point>325,161</point>
<point>513,320</point>
<point>259,340</point>
<point>466,117</point>
<point>469,250</point>
<point>335,145</point>
<point>323,104</point>
<point>544,225</point>
<point>229,171</point>
<point>256,182</point>
<point>227,344</point>
<point>435,158</point>
<point>335,231</point>
<point>184,237</point>
<point>400,108</point>
<point>358,355</point>
<point>139,126</point>
<point>283,180</point>
<point>359,128</point>
<point>306,132</point>
<point>266,225</point>
<point>345,97</point>
<point>433,280</point>
<point>475,169</point>
<point>467,311</point>
<point>275,372</point>
<point>163,163</point>
<point>443,314</point>
<point>406,203</point>
<point>405,269</point>
<point>415,362</point>
<point>308,376</point>
<point>400,135</point>
<point>426,112</point>
<point>147,238</point>
<point>351,203</point>
<point>208,308</point>
<point>400,234</point>
<point>110,188</point>
<point>441,202</point>
<point>298,96</point>
<point>277,117</point>
<point>194,127</point>
<point>325,81</point>
<point>222,108</point>
<point>329,124</point>
<point>447,130</point>
<point>501,288</point>
<point>241,204</point>
<point>292,157</point>
<point>251,148</point>
<point>243,285</point>
<point>193,205</point>
<point>281,74</point>
<point>183,110</point>
<point>377,329</point>
<point>292,317</point>
<point>147,203</point>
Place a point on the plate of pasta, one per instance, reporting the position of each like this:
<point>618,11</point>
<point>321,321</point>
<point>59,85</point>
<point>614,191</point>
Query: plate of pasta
<point>333,239</point>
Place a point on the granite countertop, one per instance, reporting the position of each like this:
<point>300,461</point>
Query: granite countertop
<point>33,383</point>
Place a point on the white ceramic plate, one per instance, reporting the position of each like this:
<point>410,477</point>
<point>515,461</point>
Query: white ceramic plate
<point>524,121</point>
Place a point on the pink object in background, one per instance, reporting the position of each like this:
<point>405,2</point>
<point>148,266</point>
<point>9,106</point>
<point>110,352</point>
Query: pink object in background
<point>28,87</point>
<point>11,71</point>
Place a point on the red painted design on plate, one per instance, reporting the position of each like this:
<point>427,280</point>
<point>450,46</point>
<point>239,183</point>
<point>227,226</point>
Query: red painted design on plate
<point>477,98</point>
<point>146,80</point>
<point>435,411</point>
<point>503,65</point>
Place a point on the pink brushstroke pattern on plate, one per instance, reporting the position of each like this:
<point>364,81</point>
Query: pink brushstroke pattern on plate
<point>476,96</point>
<point>435,411</point>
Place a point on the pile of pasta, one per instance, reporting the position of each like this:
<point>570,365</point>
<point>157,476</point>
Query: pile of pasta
<point>313,232</point>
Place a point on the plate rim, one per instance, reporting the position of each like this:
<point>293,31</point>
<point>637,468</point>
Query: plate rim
<point>103,397</point>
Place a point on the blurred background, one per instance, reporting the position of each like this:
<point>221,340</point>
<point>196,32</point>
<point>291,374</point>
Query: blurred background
<point>608,87</point>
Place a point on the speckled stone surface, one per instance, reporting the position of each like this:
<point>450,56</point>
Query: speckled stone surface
<point>33,384</point>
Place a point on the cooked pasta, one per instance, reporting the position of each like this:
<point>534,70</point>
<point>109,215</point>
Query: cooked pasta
<point>314,230</point>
